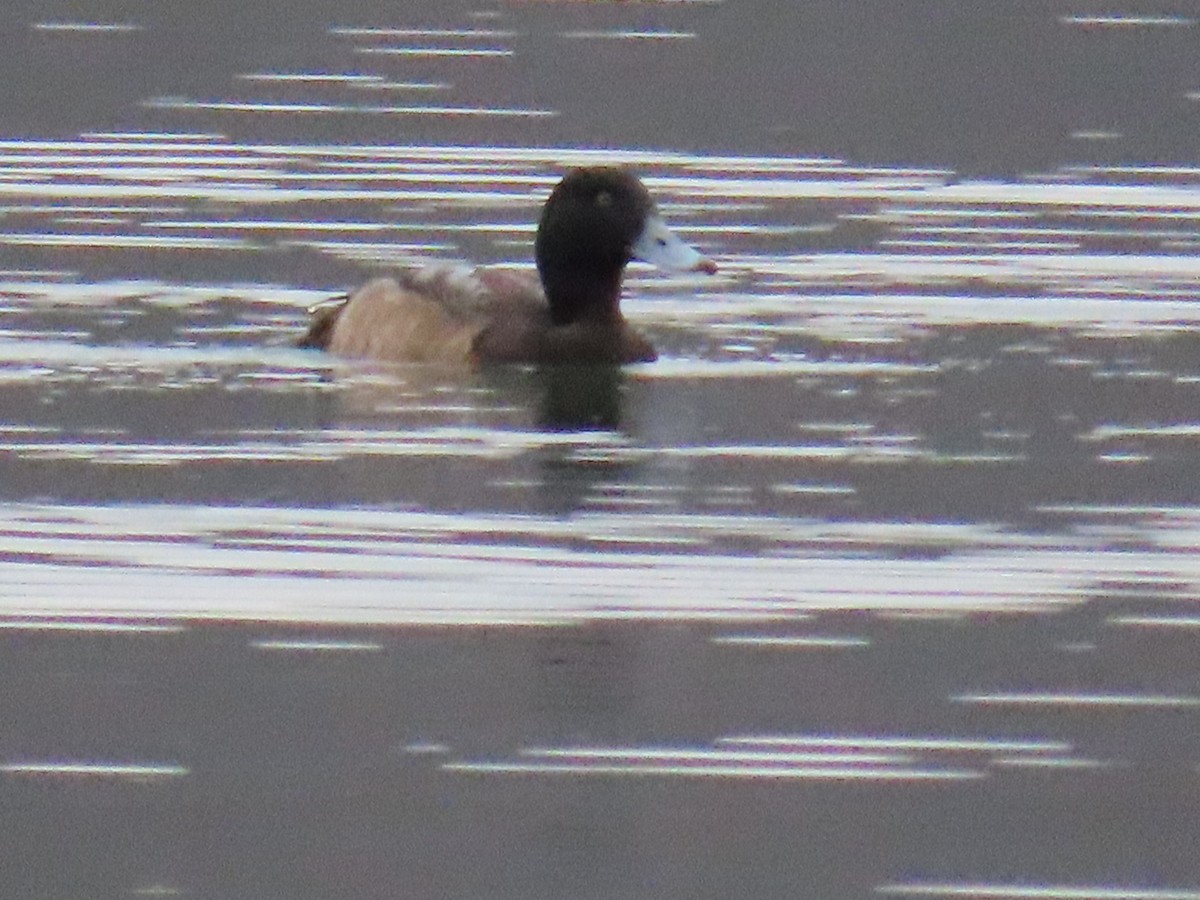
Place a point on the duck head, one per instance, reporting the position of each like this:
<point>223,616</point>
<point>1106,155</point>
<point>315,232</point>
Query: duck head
<point>595,221</point>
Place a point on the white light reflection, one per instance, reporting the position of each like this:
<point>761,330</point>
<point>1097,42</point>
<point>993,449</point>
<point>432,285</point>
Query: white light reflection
<point>88,27</point>
<point>769,640</point>
<point>1084,701</point>
<point>728,772</point>
<point>318,646</point>
<point>938,744</point>
<point>85,626</point>
<point>95,769</point>
<point>342,109</point>
<point>436,51</point>
<point>1128,21</point>
<point>426,748</point>
<point>124,240</point>
<point>313,77</point>
<point>1155,621</point>
<point>423,32</point>
<point>629,35</point>
<point>1037,891</point>
<point>157,561</point>
<point>709,763</point>
<point>1049,762</point>
<point>684,754</point>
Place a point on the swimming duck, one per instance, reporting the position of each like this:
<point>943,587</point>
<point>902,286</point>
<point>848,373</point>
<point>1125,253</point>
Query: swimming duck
<point>595,221</point>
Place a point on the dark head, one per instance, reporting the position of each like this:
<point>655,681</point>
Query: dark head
<point>595,221</point>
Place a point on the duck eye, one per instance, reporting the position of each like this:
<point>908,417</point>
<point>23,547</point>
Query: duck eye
<point>662,242</point>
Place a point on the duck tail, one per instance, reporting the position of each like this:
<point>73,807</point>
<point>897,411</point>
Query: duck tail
<point>324,316</point>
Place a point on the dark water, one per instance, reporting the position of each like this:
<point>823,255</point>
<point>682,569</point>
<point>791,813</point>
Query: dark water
<point>881,582</point>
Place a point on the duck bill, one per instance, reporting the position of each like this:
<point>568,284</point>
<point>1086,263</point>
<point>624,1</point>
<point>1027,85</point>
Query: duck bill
<point>661,247</point>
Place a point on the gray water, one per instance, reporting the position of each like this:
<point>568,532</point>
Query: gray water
<point>881,582</point>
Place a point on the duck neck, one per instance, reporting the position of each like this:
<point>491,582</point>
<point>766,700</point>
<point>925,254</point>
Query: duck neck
<point>581,296</point>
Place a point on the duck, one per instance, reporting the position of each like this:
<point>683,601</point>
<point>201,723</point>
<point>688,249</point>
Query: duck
<point>594,222</point>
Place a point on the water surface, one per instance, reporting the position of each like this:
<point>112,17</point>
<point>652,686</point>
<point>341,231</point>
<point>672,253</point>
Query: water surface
<point>881,582</point>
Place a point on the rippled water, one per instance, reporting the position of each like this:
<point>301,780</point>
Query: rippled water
<point>882,581</point>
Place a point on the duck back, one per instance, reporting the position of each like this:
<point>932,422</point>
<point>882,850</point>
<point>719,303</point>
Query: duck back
<point>430,314</point>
